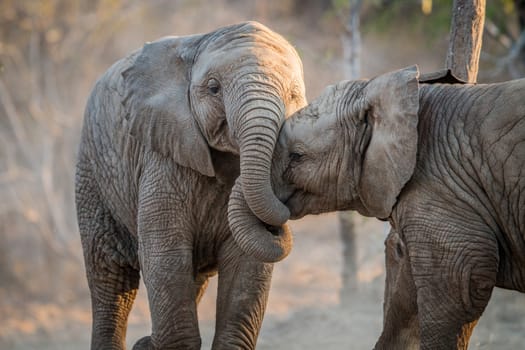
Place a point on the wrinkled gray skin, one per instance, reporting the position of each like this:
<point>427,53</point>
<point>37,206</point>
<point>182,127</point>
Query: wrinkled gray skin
<point>445,164</point>
<point>167,131</point>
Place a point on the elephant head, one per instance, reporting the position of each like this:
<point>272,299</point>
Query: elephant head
<point>354,147</point>
<point>228,90</point>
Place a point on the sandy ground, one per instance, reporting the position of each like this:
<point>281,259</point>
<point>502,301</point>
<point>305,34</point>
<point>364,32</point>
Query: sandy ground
<point>304,310</point>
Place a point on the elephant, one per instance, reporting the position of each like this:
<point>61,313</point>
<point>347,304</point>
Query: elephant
<point>167,131</point>
<point>444,163</point>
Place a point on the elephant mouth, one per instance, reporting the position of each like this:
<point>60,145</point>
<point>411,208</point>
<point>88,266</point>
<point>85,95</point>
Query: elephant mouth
<point>296,203</point>
<point>302,203</point>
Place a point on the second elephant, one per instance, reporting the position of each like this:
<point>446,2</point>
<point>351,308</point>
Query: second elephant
<point>445,164</point>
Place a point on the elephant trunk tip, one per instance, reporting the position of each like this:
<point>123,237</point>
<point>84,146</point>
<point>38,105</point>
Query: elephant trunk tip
<point>274,230</point>
<point>267,243</point>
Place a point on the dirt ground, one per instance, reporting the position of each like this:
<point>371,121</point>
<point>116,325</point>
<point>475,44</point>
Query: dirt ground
<point>304,310</point>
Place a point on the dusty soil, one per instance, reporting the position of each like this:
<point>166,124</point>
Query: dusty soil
<point>304,311</point>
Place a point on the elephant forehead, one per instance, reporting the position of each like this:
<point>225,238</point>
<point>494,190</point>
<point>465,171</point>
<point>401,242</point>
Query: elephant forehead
<point>252,42</point>
<point>312,133</point>
<point>256,57</point>
<point>249,34</point>
<point>318,117</point>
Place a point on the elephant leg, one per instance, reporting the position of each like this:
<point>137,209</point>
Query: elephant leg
<point>454,270</point>
<point>244,284</point>
<point>172,295</point>
<point>400,319</point>
<point>444,326</point>
<point>112,274</point>
<point>166,260</point>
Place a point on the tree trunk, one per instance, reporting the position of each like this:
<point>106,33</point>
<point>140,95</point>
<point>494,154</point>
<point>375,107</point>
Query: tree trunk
<point>351,42</point>
<point>349,270</point>
<point>466,31</point>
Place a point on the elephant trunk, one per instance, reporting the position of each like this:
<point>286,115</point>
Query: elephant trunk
<point>257,137</point>
<point>261,115</point>
<point>265,243</point>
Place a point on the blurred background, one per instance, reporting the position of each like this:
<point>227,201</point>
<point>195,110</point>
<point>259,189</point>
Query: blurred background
<point>328,293</point>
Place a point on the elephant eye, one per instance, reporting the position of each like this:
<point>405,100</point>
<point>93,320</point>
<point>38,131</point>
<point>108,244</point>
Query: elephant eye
<point>363,116</point>
<point>295,157</point>
<point>213,86</point>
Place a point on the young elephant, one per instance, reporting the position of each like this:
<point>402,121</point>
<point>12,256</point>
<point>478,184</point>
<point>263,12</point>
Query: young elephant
<point>445,164</point>
<point>167,130</point>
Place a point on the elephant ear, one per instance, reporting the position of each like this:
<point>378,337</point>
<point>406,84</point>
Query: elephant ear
<point>389,161</point>
<point>157,102</point>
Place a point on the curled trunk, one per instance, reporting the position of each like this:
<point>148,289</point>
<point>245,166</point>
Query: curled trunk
<point>264,242</point>
<point>255,214</point>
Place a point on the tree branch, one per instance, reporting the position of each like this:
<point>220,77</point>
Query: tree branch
<point>466,32</point>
